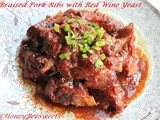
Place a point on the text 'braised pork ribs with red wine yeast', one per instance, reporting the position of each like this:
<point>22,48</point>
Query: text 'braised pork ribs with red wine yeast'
<point>86,58</point>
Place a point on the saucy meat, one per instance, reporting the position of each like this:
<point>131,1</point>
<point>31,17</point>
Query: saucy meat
<point>86,59</point>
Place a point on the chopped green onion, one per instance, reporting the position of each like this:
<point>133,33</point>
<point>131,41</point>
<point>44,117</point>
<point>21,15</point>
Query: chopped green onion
<point>80,45</point>
<point>74,44</point>
<point>103,56</point>
<point>91,51</point>
<point>89,37</point>
<point>100,43</point>
<point>78,37</point>
<point>56,27</point>
<point>93,25</point>
<point>109,42</point>
<point>84,48</point>
<point>88,42</point>
<point>67,27</point>
<point>64,55</point>
<point>99,64</point>
<point>96,47</point>
<point>68,40</point>
<point>73,35</point>
<point>100,33</point>
<point>72,20</point>
<point>96,27</point>
<point>86,34</point>
<point>84,55</point>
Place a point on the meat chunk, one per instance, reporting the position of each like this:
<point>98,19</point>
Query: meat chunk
<point>114,63</point>
<point>127,31</point>
<point>109,24</point>
<point>94,79</point>
<point>131,62</point>
<point>43,40</point>
<point>69,94</point>
<point>36,66</point>
<point>64,67</point>
<point>30,71</point>
<point>115,95</point>
<point>131,65</point>
<point>115,47</point>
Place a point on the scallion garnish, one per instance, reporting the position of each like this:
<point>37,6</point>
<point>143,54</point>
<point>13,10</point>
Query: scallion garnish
<point>84,48</point>
<point>100,43</point>
<point>100,33</point>
<point>68,40</point>
<point>56,27</point>
<point>109,42</point>
<point>84,55</point>
<point>64,55</point>
<point>91,51</point>
<point>88,42</point>
<point>88,37</point>
<point>103,56</point>
<point>99,64</point>
<point>72,20</point>
<point>67,27</point>
<point>96,47</point>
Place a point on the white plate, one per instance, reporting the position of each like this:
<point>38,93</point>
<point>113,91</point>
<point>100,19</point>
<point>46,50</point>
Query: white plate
<point>14,23</point>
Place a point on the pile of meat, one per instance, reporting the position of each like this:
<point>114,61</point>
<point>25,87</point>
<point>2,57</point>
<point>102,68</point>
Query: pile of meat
<point>76,80</point>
